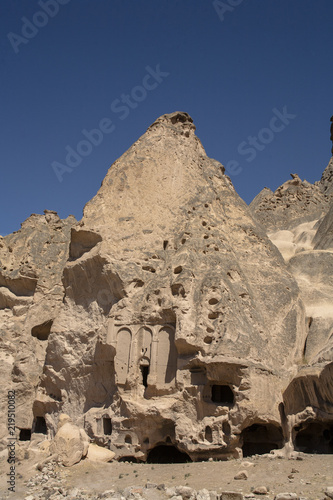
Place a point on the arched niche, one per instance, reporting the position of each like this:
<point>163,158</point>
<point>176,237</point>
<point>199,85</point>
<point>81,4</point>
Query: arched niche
<point>144,337</point>
<point>144,340</point>
<point>166,356</point>
<point>122,358</point>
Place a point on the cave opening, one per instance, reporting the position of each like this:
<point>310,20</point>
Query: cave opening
<point>164,454</point>
<point>222,394</point>
<point>42,331</point>
<point>128,439</point>
<point>107,426</point>
<point>316,437</point>
<point>40,426</point>
<point>208,434</point>
<point>259,439</point>
<point>25,435</point>
<point>131,459</point>
<point>145,372</point>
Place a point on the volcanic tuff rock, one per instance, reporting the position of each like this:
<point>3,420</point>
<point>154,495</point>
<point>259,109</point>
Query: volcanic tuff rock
<point>31,292</point>
<point>306,243</point>
<point>175,324</point>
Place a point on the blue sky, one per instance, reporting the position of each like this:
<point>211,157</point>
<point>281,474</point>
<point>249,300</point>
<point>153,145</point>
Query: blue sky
<point>233,65</point>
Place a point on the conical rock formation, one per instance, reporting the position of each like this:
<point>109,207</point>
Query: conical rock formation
<point>176,304</point>
<point>179,324</point>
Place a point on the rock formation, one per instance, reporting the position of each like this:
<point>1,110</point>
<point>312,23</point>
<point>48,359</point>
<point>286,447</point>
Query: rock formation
<point>171,323</point>
<point>306,242</point>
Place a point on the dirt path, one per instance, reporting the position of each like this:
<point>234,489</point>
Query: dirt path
<point>307,477</point>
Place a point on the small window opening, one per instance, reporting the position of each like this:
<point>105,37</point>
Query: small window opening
<point>40,425</point>
<point>128,439</point>
<point>208,434</point>
<point>222,394</point>
<point>165,244</point>
<point>25,435</point>
<point>107,426</point>
<point>145,373</point>
<point>226,428</point>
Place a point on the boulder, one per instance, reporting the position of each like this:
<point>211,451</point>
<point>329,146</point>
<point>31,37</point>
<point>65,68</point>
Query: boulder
<point>98,454</point>
<point>69,442</point>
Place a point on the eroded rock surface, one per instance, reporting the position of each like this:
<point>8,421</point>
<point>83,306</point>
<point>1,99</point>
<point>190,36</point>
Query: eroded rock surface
<point>31,293</point>
<point>305,239</point>
<point>174,323</point>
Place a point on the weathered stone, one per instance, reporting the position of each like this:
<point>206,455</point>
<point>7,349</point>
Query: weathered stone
<point>68,443</point>
<point>99,454</point>
<point>329,491</point>
<point>243,474</point>
<point>132,303</point>
<point>231,495</point>
<point>286,496</point>
<point>168,322</point>
<point>185,492</point>
<point>293,203</point>
<point>260,490</point>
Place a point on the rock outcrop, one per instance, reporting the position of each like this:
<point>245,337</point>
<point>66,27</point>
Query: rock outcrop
<point>293,203</point>
<point>31,293</point>
<point>173,324</point>
<point>305,240</point>
<point>70,444</point>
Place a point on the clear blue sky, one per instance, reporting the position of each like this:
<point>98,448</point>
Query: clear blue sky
<point>229,70</point>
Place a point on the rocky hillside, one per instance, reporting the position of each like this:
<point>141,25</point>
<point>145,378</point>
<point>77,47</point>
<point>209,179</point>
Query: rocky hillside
<point>173,320</point>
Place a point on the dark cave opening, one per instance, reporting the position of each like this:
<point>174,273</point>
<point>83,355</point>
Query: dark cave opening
<point>40,425</point>
<point>130,459</point>
<point>42,331</point>
<point>25,435</point>
<point>316,437</point>
<point>163,454</point>
<point>145,372</point>
<point>208,434</point>
<point>259,439</point>
<point>107,426</point>
<point>222,394</point>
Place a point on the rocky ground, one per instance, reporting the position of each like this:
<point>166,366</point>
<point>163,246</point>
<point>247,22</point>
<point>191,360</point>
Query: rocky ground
<point>261,477</point>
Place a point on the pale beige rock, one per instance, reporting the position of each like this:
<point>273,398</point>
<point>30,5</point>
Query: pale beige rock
<point>68,443</point>
<point>98,454</point>
<point>31,292</point>
<point>167,321</point>
<point>242,475</point>
<point>260,490</point>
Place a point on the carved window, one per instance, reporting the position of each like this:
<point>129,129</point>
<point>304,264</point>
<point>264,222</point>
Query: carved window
<point>222,394</point>
<point>107,426</point>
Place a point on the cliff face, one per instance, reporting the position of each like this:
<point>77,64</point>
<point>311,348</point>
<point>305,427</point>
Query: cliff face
<point>173,317</point>
<point>31,293</point>
<point>305,239</point>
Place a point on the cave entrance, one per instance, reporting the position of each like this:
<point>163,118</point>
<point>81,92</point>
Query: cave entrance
<point>107,426</point>
<point>25,435</point>
<point>164,454</point>
<point>316,437</point>
<point>42,331</point>
<point>259,439</point>
<point>145,372</point>
<point>222,394</point>
<point>131,459</point>
<point>40,426</point>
